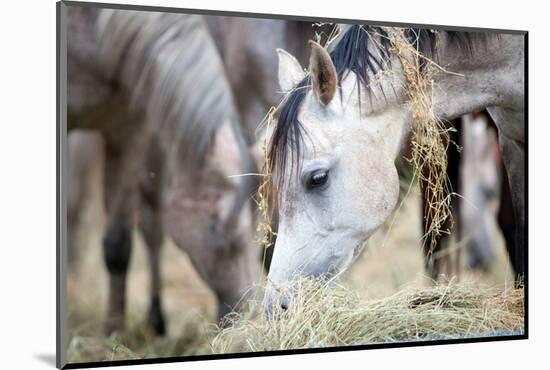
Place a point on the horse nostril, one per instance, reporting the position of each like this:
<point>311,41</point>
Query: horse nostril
<point>285,303</point>
<point>274,303</point>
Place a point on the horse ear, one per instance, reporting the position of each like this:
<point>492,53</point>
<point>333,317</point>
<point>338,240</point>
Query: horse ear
<point>323,73</point>
<point>290,70</point>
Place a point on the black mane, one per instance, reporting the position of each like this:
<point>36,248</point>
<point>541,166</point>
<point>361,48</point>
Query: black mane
<point>353,52</point>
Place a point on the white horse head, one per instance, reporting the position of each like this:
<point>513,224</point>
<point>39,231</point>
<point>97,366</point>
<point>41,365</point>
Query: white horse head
<point>333,150</point>
<point>344,184</point>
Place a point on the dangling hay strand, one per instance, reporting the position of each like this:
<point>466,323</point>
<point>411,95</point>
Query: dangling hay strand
<point>265,198</point>
<point>326,315</point>
<point>430,136</point>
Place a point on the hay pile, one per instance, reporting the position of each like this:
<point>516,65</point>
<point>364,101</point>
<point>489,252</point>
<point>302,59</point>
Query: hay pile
<point>326,316</point>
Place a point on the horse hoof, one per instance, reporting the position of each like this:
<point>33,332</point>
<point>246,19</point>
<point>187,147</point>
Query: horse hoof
<point>156,321</point>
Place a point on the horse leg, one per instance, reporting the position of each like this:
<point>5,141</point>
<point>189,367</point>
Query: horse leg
<point>75,203</point>
<point>510,125</point>
<point>75,198</point>
<point>151,226</point>
<point>506,220</point>
<point>117,246</point>
<point>85,151</point>
<point>513,154</point>
<point>117,240</point>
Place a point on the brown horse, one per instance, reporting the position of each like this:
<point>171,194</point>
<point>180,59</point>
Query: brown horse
<point>154,87</point>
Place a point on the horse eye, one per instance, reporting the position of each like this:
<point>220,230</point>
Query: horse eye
<point>317,179</point>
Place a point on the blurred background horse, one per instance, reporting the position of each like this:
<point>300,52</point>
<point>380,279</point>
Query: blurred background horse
<point>153,85</point>
<point>248,50</point>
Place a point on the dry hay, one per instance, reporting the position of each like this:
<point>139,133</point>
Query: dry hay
<point>327,315</point>
<point>265,198</point>
<point>430,136</point>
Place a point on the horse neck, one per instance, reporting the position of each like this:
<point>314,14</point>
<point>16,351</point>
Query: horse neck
<point>490,75</point>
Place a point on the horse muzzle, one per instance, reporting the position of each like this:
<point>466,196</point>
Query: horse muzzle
<point>275,302</point>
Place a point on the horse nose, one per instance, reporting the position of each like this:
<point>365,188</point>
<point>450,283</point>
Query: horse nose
<point>272,300</point>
